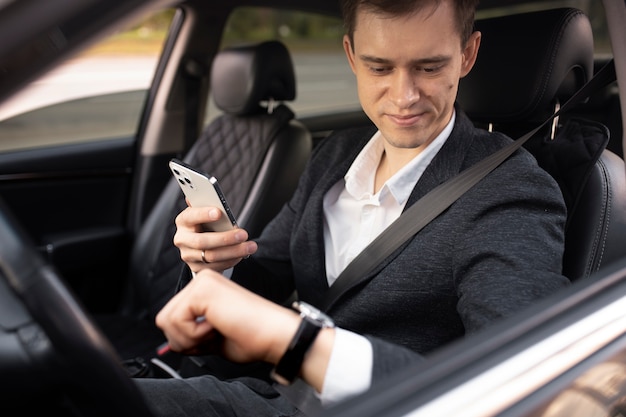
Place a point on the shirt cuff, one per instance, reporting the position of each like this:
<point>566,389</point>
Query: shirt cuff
<point>349,370</point>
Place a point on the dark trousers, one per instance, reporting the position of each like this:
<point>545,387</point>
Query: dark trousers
<point>207,395</point>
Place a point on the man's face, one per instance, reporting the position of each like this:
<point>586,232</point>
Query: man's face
<point>407,70</point>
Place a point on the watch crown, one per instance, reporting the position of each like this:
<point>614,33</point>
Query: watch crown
<point>313,313</point>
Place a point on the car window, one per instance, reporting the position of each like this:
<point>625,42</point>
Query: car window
<point>96,95</point>
<point>324,81</point>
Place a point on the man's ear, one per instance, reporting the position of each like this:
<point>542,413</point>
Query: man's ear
<point>347,47</point>
<point>470,53</point>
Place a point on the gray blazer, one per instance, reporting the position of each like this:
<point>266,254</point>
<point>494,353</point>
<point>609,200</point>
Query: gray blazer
<point>494,251</point>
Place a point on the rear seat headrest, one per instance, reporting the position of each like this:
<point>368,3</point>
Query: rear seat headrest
<point>524,62</point>
<point>242,77</point>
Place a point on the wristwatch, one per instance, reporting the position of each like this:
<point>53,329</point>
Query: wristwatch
<point>313,320</point>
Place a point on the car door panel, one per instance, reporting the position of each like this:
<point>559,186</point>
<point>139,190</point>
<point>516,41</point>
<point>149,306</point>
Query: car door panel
<point>73,201</point>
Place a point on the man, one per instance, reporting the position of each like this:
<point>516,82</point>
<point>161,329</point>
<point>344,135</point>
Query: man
<point>492,253</point>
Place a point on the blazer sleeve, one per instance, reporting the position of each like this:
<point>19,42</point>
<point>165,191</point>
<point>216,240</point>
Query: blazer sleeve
<point>390,358</point>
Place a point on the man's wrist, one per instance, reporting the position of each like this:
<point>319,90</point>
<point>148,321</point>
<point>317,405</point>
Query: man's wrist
<point>289,365</point>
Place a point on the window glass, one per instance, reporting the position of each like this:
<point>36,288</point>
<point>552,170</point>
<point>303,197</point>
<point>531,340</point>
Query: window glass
<point>325,83</point>
<point>97,95</point>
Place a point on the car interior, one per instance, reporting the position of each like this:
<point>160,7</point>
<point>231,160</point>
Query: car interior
<point>562,68</point>
<point>257,147</point>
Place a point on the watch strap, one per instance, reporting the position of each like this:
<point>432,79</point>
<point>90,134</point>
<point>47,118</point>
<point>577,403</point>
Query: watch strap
<point>289,365</point>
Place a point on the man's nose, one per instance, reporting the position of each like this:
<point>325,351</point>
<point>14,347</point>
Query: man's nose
<point>404,90</point>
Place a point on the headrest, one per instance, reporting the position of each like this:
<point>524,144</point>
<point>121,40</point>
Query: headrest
<point>243,77</point>
<point>525,61</point>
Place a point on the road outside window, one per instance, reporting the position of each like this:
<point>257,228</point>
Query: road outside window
<point>97,95</point>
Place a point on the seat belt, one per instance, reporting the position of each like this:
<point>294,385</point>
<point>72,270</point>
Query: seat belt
<point>427,208</point>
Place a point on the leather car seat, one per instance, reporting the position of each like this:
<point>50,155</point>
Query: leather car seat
<point>256,149</point>
<point>513,88</point>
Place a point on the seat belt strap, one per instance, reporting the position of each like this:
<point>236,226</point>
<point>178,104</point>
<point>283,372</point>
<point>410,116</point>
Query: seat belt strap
<point>438,199</point>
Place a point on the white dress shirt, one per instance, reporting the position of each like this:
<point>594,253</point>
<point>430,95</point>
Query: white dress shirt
<point>353,216</point>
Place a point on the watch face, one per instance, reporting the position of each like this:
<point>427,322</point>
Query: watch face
<point>307,310</point>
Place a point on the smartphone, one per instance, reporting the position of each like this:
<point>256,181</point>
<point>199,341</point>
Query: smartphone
<point>202,189</point>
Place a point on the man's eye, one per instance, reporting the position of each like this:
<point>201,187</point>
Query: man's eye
<point>379,70</point>
<point>429,70</point>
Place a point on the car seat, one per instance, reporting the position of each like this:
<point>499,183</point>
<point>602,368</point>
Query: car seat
<point>514,88</point>
<point>256,149</point>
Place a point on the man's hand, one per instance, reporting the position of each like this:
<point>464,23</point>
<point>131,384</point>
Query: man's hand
<point>215,315</point>
<point>209,250</point>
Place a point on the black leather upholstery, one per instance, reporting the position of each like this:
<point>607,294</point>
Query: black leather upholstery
<point>514,88</point>
<point>511,82</point>
<point>256,152</point>
<point>597,233</point>
<point>243,77</point>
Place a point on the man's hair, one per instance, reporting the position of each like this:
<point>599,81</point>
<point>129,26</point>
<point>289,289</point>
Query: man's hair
<point>464,10</point>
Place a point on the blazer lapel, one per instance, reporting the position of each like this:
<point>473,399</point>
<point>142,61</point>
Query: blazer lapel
<point>310,238</point>
<point>447,163</point>
<point>449,160</point>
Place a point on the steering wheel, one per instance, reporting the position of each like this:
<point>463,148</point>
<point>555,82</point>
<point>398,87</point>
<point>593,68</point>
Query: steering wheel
<point>48,343</point>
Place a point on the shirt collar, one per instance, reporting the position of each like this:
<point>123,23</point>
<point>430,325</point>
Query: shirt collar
<point>359,179</point>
